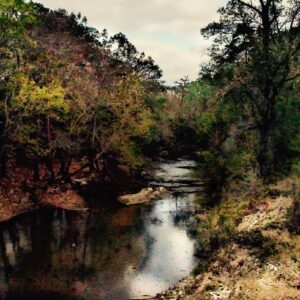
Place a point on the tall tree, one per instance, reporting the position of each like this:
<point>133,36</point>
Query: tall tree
<point>124,51</point>
<point>15,17</point>
<point>261,39</point>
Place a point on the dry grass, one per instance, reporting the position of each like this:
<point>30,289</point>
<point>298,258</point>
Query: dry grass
<point>261,259</point>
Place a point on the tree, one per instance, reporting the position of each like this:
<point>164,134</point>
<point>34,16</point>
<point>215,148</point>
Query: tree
<point>71,99</point>
<point>39,115</point>
<point>181,86</point>
<point>15,17</point>
<point>257,46</point>
<point>126,52</point>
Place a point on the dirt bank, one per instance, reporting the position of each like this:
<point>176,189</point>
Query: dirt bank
<point>15,201</point>
<point>260,261</point>
<point>19,194</point>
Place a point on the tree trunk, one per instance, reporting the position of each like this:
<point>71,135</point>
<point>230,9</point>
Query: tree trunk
<point>50,176</point>
<point>3,164</point>
<point>64,167</point>
<point>263,157</point>
<point>36,171</point>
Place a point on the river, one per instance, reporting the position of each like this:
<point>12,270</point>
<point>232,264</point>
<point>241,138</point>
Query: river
<point>111,253</point>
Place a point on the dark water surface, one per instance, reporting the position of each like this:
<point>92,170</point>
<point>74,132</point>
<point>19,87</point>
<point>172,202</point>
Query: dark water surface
<point>114,253</point>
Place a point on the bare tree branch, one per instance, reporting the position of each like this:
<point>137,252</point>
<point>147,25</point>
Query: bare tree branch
<point>295,14</point>
<point>98,156</point>
<point>247,127</point>
<point>249,6</point>
<point>293,77</point>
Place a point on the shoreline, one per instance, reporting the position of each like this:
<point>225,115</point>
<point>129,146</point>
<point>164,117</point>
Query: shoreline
<point>260,260</point>
<point>20,203</point>
<point>259,252</point>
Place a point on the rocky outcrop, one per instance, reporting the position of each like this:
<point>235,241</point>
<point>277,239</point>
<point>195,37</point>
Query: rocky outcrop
<point>145,195</point>
<point>272,211</point>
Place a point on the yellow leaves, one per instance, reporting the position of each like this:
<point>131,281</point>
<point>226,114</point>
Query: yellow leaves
<point>131,119</point>
<point>33,99</point>
<point>127,103</point>
<point>34,111</point>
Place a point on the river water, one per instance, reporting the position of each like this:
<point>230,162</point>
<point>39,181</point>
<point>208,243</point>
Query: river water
<point>114,253</point>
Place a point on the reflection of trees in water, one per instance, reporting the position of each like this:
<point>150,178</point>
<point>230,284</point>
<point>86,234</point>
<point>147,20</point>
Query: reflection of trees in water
<point>184,214</point>
<point>86,254</point>
<point>56,249</point>
<point>182,219</point>
<point>213,177</point>
<point>185,217</point>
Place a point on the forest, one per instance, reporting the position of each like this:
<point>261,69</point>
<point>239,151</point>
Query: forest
<point>84,112</point>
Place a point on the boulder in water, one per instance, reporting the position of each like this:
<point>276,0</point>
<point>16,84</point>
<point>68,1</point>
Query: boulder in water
<point>145,195</point>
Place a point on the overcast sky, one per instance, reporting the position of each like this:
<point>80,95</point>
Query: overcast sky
<point>167,30</point>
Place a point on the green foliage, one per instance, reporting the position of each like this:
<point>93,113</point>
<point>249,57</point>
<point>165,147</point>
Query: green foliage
<point>255,56</point>
<point>79,96</point>
<point>15,17</point>
<point>34,109</point>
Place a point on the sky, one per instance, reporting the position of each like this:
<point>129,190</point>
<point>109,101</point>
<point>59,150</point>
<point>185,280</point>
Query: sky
<point>167,30</point>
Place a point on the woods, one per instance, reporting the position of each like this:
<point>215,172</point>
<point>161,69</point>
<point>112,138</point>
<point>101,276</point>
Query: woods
<point>209,164</point>
<point>259,45</point>
<point>71,93</point>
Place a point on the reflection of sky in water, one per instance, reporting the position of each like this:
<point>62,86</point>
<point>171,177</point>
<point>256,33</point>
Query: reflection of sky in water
<point>171,255</point>
<point>176,170</point>
<point>127,252</point>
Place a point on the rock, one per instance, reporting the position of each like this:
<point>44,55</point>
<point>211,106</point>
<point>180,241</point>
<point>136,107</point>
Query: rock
<point>156,193</point>
<point>145,195</point>
<point>164,153</point>
<point>140,197</point>
<point>82,181</point>
<point>162,189</point>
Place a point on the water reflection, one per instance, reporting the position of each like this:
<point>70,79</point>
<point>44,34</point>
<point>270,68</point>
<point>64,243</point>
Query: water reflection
<point>116,254</point>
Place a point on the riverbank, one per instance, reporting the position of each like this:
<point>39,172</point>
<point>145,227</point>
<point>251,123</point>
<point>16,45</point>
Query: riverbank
<point>245,245</point>
<point>255,257</point>
<point>20,194</point>
<point>111,251</point>
<point>14,201</point>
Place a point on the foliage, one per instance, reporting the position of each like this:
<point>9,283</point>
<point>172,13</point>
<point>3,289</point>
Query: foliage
<point>71,95</point>
<point>255,55</point>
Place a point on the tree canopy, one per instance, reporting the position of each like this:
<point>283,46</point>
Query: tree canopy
<point>256,50</point>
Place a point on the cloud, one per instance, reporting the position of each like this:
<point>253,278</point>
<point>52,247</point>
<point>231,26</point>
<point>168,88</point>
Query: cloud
<point>167,30</point>
<point>177,61</point>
